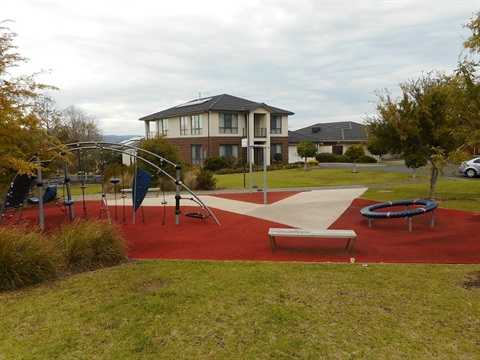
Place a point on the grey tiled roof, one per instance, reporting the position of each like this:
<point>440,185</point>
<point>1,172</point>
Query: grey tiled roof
<point>329,132</point>
<point>216,103</point>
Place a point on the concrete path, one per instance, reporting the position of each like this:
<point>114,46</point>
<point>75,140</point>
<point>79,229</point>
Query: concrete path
<point>307,209</point>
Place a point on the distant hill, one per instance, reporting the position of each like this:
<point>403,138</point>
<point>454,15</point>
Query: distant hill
<point>117,138</point>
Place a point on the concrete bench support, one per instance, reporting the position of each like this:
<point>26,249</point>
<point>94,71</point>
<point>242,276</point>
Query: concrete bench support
<point>313,233</point>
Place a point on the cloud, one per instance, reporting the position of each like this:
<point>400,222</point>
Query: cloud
<point>121,60</point>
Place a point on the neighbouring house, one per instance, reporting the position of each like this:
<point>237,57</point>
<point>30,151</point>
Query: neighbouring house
<point>335,138</point>
<point>222,125</point>
<point>128,157</point>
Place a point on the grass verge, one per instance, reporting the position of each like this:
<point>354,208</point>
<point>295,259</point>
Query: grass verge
<point>237,310</point>
<point>315,177</point>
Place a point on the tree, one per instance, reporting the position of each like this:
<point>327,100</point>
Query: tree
<point>415,161</point>
<point>48,113</point>
<point>164,148</point>
<point>420,121</point>
<point>21,132</point>
<point>376,149</point>
<point>306,149</point>
<point>77,126</point>
<point>354,153</point>
<point>467,91</point>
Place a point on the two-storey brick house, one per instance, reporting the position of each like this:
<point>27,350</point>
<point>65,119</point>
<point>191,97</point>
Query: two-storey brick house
<point>222,125</point>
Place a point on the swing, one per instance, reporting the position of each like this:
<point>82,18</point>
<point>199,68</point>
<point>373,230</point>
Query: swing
<point>81,175</point>
<point>49,195</point>
<point>195,214</point>
<point>115,181</point>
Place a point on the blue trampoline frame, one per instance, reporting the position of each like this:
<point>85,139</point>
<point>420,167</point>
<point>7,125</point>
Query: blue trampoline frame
<point>425,206</point>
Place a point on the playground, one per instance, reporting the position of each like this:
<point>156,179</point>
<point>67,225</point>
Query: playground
<point>235,225</point>
<point>245,221</point>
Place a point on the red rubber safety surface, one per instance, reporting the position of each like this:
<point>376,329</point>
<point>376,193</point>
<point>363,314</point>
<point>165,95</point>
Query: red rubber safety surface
<point>455,238</point>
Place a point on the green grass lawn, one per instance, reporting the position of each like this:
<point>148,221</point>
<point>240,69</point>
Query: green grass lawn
<point>460,194</point>
<point>90,189</point>
<point>247,310</point>
<point>315,177</point>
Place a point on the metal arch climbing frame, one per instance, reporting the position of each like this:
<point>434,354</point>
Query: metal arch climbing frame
<point>122,148</point>
<point>16,199</point>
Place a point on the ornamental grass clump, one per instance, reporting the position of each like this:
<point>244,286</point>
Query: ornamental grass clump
<point>91,245</point>
<point>27,257</point>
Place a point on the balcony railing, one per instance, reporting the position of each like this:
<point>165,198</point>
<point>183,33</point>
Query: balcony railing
<point>260,132</point>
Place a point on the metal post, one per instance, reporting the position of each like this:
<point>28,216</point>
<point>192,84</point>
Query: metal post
<point>134,191</point>
<point>250,149</point>
<point>264,170</point>
<point>69,191</point>
<point>40,193</point>
<point>265,175</point>
<point>178,183</point>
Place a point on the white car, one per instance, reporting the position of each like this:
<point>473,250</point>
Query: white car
<point>470,168</point>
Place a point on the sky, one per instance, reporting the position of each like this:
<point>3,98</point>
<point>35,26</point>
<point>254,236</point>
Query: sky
<point>321,59</point>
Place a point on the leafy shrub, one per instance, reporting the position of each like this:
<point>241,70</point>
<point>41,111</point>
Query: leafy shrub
<point>205,180</point>
<point>328,157</point>
<point>230,171</point>
<point>313,162</point>
<point>278,157</point>
<point>292,165</point>
<point>27,257</point>
<point>91,245</point>
<point>215,163</point>
<point>365,159</point>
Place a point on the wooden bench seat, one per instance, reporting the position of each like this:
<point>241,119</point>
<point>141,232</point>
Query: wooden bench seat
<point>313,233</point>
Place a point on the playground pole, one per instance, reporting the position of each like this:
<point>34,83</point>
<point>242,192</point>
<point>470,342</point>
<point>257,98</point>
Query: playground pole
<point>250,160</point>
<point>264,170</point>
<point>265,175</point>
<point>40,193</point>
<point>178,182</point>
<point>67,185</point>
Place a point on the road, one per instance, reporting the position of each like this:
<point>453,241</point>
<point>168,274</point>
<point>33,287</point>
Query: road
<point>398,166</point>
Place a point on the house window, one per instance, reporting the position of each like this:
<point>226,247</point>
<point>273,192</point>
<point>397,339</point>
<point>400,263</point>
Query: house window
<point>275,149</point>
<point>197,154</point>
<point>229,150</point>
<point>275,124</point>
<point>164,126</point>
<point>228,124</point>
<point>196,124</point>
<point>183,125</point>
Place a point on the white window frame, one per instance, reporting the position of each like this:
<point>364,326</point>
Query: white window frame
<point>196,150</point>
<point>228,150</point>
<point>165,126</point>
<point>183,125</point>
<point>196,121</point>
<point>275,124</point>
<point>228,123</point>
